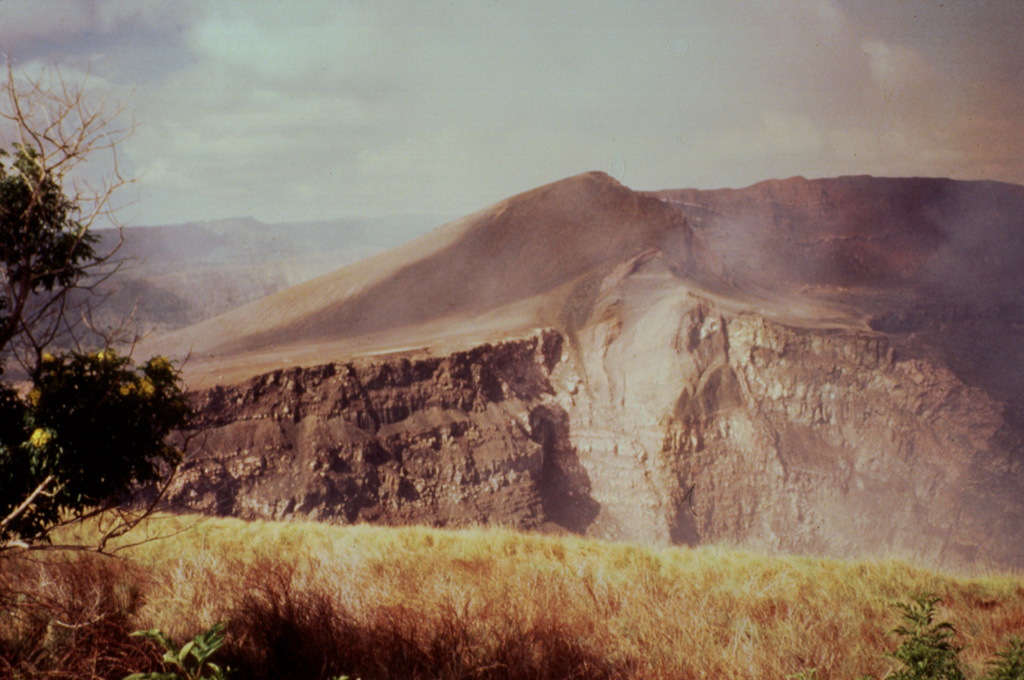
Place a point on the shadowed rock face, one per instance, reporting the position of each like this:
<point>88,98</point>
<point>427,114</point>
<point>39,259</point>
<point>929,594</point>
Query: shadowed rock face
<point>457,440</point>
<point>825,366</point>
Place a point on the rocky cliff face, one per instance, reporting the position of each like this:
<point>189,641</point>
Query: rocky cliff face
<point>704,424</point>
<point>443,440</point>
<point>825,367</point>
<point>674,421</point>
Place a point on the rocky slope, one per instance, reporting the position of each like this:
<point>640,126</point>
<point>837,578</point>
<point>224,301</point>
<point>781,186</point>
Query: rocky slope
<point>826,393</point>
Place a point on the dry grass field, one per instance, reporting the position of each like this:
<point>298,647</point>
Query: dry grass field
<point>306,600</point>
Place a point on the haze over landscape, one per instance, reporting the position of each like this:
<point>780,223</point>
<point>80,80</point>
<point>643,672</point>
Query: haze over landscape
<point>291,112</point>
<point>517,340</point>
<point>605,341</point>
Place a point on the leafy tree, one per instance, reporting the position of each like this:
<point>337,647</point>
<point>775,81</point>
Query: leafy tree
<point>59,174</point>
<point>43,249</point>
<point>80,432</point>
<point>92,428</point>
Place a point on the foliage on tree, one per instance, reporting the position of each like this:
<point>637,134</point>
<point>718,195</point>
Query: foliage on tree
<point>92,428</point>
<point>80,431</point>
<point>43,248</point>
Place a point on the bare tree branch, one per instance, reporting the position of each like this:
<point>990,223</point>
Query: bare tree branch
<point>67,123</point>
<point>26,504</point>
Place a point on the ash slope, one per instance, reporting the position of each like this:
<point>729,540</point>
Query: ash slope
<point>821,366</point>
<point>506,269</point>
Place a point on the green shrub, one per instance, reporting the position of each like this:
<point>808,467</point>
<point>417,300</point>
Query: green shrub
<point>927,651</point>
<point>200,648</point>
<point>1009,663</point>
<point>93,427</point>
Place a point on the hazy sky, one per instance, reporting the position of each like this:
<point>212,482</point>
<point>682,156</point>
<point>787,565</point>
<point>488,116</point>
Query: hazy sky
<point>309,110</point>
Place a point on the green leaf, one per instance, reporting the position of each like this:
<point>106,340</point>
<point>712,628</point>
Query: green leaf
<point>171,657</point>
<point>185,650</point>
<point>209,642</point>
<point>156,635</point>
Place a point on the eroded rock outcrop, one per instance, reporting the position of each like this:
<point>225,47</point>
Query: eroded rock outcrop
<point>445,440</point>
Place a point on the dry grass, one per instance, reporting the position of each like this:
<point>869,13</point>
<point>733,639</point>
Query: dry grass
<point>311,601</point>
<point>70,616</point>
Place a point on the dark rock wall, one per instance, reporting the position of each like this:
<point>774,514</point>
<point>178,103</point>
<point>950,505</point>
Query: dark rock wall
<point>451,440</point>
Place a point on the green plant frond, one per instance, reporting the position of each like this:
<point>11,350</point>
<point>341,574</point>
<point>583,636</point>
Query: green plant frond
<point>171,657</point>
<point>201,646</point>
<point>183,652</point>
<point>926,652</point>
<point>1009,662</point>
<point>156,635</point>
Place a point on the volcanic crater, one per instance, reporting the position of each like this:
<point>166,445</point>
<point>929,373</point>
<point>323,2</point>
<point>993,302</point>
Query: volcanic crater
<point>827,366</point>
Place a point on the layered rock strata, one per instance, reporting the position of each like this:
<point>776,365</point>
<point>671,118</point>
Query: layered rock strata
<point>442,440</point>
<point>683,425</point>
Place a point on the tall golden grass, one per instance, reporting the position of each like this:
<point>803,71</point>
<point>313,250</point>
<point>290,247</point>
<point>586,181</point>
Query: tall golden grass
<point>314,601</point>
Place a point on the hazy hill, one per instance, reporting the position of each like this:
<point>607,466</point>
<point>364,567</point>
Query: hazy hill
<point>512,264</point>
<point>176,275</point>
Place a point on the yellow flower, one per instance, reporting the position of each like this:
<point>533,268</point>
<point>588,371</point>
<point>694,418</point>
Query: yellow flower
<point>40,438</point>
<point>47,358</point>
<point>147,387</point>
<point>160,364</point>
<point>106,355</point>
<point>125,390</point>
<point>34,396</point>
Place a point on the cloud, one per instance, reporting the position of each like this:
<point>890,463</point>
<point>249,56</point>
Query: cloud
<point>896,66</point>
<point>829,13</point>
<point>776,133</point>
<point>278,44</point>
<point>23,22</point>
<point>317,109</point>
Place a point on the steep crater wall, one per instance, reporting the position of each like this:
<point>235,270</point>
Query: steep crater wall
<point>683,424</point>
<point>453,440</point>
<point>817,366</point>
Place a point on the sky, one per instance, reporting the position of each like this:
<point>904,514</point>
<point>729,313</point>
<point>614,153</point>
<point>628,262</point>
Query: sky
<point>293,111</point>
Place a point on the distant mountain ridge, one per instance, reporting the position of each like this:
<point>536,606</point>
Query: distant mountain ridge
<point>244,241</point>
<point>176,275</point>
